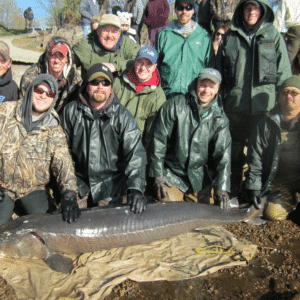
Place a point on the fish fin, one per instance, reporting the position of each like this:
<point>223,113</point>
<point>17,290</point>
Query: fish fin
<point>59,263</point>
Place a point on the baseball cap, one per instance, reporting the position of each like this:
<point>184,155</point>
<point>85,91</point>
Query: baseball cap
<point>211,74</point>
<point>110,19</point>
<point>62,48</point>
<point>99,70</point>
<point>148,52</point>
<point>179,2</point>
<point>4,50</point>
<point>252,2</point>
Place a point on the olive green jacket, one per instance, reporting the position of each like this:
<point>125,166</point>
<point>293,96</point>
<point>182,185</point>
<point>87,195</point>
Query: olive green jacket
<point>252,71</point>
<point>89,52</point>
<point>263,152</point>
<point>184,141</point>
<point>142,105</point>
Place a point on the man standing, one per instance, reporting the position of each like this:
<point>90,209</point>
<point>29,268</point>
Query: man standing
<point>33,146</point>
<point>28,15</point>
<point>253,61</point>
<point>274,157</point>
<point>190,135</point>
<point>184,49</point>
<point>57,60</point>
<point>88,9</point>
<point>105,143</point>
<point>139,89</point>
<point>106,45</point>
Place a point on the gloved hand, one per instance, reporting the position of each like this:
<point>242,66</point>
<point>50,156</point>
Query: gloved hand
<point>254,198</point>
<point>160,183</point>
<point>2,194</point>
<point>222,199</point>
<point>69,206</point>
<point>137,201</point>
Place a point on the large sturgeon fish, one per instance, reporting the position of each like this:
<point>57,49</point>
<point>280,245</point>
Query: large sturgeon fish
<point>46,236</point>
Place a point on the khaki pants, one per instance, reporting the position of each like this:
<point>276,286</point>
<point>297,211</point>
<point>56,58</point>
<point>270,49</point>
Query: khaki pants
<point>280,202</point>
<point>175,194</point>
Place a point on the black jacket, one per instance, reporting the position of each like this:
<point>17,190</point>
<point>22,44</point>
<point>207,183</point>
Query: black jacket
<point>107,149</point>
<point>8,88</point>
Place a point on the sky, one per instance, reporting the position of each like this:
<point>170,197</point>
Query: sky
<point>39,9</point>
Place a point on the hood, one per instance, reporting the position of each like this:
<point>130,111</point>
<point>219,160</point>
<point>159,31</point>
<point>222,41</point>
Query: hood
<point>267,15</point>
<point>26,107</point>
<point>43,60</point>
<point>7,77</point>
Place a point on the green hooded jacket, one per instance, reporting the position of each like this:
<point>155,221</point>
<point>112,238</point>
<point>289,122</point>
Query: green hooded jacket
<point>184,141</point>
<point>252,71</point>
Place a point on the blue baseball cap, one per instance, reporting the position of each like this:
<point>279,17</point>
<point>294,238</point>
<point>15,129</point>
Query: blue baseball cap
<point>148,52</point>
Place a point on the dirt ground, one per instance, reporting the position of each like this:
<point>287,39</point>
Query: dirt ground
<point>274,273</point>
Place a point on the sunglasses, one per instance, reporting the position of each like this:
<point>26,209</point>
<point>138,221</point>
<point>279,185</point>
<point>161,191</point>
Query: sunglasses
<point>40,91</point>
<point>104,82</point>
<point>187,8</point>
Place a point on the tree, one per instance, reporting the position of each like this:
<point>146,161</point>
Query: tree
<point>11,15</point>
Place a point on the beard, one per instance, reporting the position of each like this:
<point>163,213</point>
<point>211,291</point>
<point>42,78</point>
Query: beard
<point>98,96</point>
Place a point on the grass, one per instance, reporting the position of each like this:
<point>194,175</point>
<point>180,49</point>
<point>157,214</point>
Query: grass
<point>7,32</point>
<point>28,43</point>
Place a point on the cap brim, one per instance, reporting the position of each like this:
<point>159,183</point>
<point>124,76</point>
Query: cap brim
<point>99,74</point>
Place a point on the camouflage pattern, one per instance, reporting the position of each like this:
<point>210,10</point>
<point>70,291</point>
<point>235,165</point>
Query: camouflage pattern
<point>27,159</point>
<point>66,92</point>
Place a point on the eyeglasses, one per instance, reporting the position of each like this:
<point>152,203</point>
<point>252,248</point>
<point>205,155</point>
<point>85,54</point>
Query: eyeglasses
<point>40,91</point>
<point>294,94</point>
<point>104,82</point>
<point>187,8</point>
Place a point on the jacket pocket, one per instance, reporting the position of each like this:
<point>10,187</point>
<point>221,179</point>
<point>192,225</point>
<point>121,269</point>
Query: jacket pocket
<point>266,62</point>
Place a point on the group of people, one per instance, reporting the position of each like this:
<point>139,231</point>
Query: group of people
<point>171,121</point>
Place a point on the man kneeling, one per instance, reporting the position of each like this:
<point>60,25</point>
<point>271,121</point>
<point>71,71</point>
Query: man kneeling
<point>191,136</point>
<point>274,157</point>
<point>33,145</point>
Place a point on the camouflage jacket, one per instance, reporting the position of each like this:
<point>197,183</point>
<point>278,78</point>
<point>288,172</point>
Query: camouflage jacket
<point>28,159</point>
<point>67,91</point>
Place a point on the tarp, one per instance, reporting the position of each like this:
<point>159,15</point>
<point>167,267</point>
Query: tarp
<point>95,274</point>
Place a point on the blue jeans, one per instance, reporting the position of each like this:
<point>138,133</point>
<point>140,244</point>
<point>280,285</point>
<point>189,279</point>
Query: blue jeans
<point>86,30</point>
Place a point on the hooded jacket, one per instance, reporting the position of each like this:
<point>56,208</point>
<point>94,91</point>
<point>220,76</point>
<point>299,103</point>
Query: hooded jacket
<point>8,88</point>
<point>31,151</point>
<point>253,63</point>
<point>106,147</point>
<point>89,51</point>
<point>185,140</point>
<point>68,83</point>
<point>156,14</point>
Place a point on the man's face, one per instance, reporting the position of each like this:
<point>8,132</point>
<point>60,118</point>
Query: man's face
<point>251,14</point>
<point>108,36</point>
<point>57,62</point>
<point>4,65</point>
<point>42,99</point>
<point>184,13</point>
<point>144,69</point>
<point>99,90</point>
<point>206,91</point>
<point>289,99</point>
